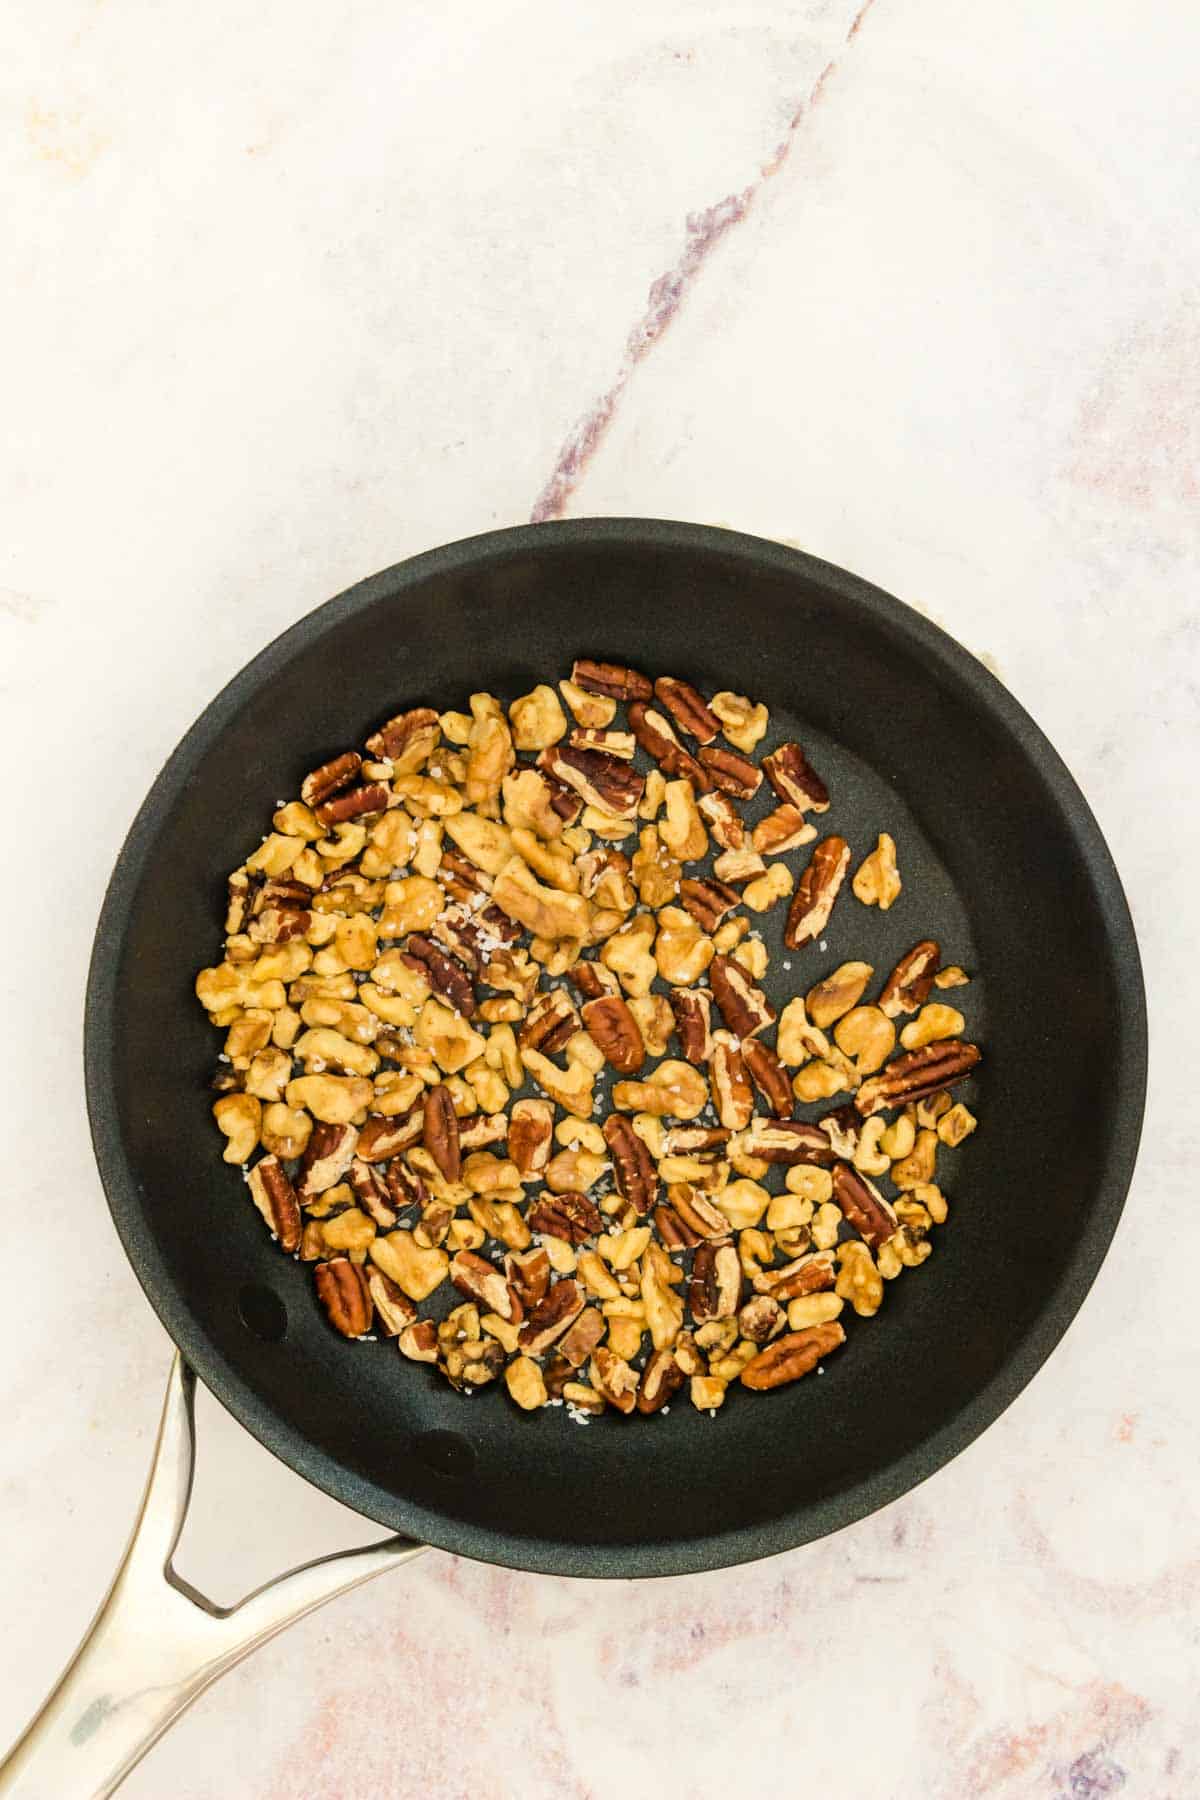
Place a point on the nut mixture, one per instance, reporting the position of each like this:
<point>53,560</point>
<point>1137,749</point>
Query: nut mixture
<point>493,1016</point>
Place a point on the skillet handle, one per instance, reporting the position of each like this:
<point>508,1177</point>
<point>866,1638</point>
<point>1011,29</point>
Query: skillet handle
<point>156,1643</point>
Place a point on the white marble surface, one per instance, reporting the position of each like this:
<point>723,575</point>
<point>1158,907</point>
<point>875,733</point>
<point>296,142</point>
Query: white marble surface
<point>294,290</point>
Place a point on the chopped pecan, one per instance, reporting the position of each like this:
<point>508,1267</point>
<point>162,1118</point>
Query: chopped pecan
<point>371,1190</point>
<point>471,1362</point>
<point>842,1127</point>
<point>789,773</point>
<point>873,1217</point>
<point>530,1133</point>
<point>328,1155</point>
<point>816,891</point>
<point>907,987</point>
<point>687,708</point>
<point>761,1318</point>
<point>744,1007</point>
<point>604,781</point>
<point>330,778</point>
<point>406,739</point>
<point>916,1074</point>
<point>675,1234</point>
<point>692,1008</point>
<point>708,901</point>
<point>551,1316</point>
<point>354,803</point>
<point>482,1130</point>
<point>697,1211</point>
<point>611,679</point>
<point>786,1141</point>
<point>275,1198</point>
<point>661,1377</point>
<point>633,1166</point>
<point>732,1094</point>
<point>577,1344</point>
<point>613,1027</point>
<point>612,1376</point>
<point>382,1138</point>
<point>769,1076</point>
<point>550,1022</point>
<point>459,876</point>
<point>784,829</point>
<point>570,1216</point>
<point>528,1273</point>
<point>419,1341</point>
<point>439,1132</point>
<point>433,1227</point>
<point>811,1274</point>
<point>593,981</point>
<point>393,1308</point>
<point>404,1185</point>
<point>446,976</point>
<point>733,774</point>
<point>737,866</point>
<point>724,821</point>
<point>704,1141</point>
<point>481,1280</point>
<point>791,1356</point>
<point>657,737</point>
<point>343,1292</point>
<point>613,743</point>
<point>716,1284</point>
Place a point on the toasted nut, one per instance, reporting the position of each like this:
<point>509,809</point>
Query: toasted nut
<point>480,1280</point>
<point>816,892</point>
<point>791,1356</point>
<point>732,774</point>
<point>744,1007</point>
<point>761,895</point>
<point>819,1081</point>
<point>661,1378</point>
<point>724,821</point>
<point>873,1217</point>
<point>674,1089</point>
<point>613,1026</point>
<point>551,1316</point>
<point>733,1096</point>
<point>687,708</point>
<point>571,1087</point>
<point>633,1165</point>
<point>523,1380</point>
<point>868,1035</point>
<point>682,830</point>
<point>537,719</point>
<point>842,1127</point>
<point>869,1159</point>
<point>485,842</point>
<point>761,1319</point>
<point>742,722</point>
<point>544,911</point>
<point>611,679</point>
<point>907,1249</point>
<point>275,1198</point>
<point>655,733</point>
<point>419,1341</point>
<point>627,954</point>
<point>745,864</point>
<point>743,1203</point>
<point>784,829</point>
<point>414,1269</point>
<point>330,778</point>
<point>917,1073</point>
<point>907,987</point>
<point>623,1248</point>
<point>692,1010</point>
<point>932,1024</point>
<point>877,882</point>
<point>752,956</point>
<point>656,874</point>
<point>550,1023</point>
<point>951,977</point>
<point>408,740</point>
<point>574,1169</point>
<point>411,904</point>
<point>285,1131</point>
<point>715,1287</point>
<point>239,1117</point>
<point>929,1110</point>
<point>919,1166</point>
<point>655,1021</point>
<point>956,1125</point>
<point>786,1141</point>
<point>607,783</point>
<point>707,1392</point>
<point>789,773</point>
<point>664,1309</point>
<point>813,1309</point>
<point>681,950</point>
<point>594,711</point>
<point>343,1292</point>
<point>708,901</point>
<point>769,1076</point>
<point>899,1137</point>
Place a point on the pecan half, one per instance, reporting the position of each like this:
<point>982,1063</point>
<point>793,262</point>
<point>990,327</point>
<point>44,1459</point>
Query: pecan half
<point>382,1138</point>
<point>723,820</point>
<point>697,1211</point>
<point>439,1132</point>
<point>481,1280</point>
<point>528,1273</point>
<point>370,1188</point>
<point>661,1377</point>
<point>708,901</point>
<point>447,977</point>
<point>327,1156</point>
<point>791,1356</point>
<point>530,1135</point>
<point>733,774</point>
<point>603,781</point>
<point>657,737</point>
<point>612,1026</point>
<point>916,1074</point>
<point>786,1141</point>
<point>577,1344</point>
<point>872,1216</point>
<point>687,708</point>
<point>673,1231</point>
<point>744,1007</point>
<point>789,773</point>
<point>907,987</point>
<point>393,1308</point>
<point>816,891</point>
<point>769,1076</point>
<point>570,1216</point>
<point>343,1292</point>
<point>275,1198</point>
<point>355,803</point>
<point>732,1094</point>
<point>612,679</point>
<point>716,1284</point>
<point>633,1166</point>
<point>811,1274</point>
<point>783,829</point>
<point>551,1316</point>
<point>613,743</point>
<point>549,1023</point>
<point>761,1318</point>
<point>692,1008</point>
<point>592,980</point>
<point>330,778</point>
<point>612,1376</point>
<point>406,738</point>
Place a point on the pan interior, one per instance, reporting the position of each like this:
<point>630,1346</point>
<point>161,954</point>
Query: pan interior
<point>1001,864</point>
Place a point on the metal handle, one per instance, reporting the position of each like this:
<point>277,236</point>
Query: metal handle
<point>156,1643</point>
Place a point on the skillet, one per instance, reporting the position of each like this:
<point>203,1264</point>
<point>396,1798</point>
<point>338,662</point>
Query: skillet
<point>1003,864</point>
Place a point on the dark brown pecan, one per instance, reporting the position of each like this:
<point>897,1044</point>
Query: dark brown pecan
<point>688,708</point>
<point>577,1344</point>
<point>382,1138</point>
<point>816,891</point>
<point>783,829</point>
<point>481,1131</point>
<point>732,1094</point>
<point>275,1198</point>
<point>661,1377</point>
<point>355,803</point>
<point>862,1204</point>
<point>328,1154</point>
<point>446,976</point>
<point>716,1284</point>
<point>459,876</point>
<point>708,901</point>
<point>737,866</point>
<point>564,801</point>
<point>612,1376</point>
<point>550,1022</point>
<point>786,1141</point>
<point>723,820</point>
<point>409,735</point>
<point>761,1318</point>
<point>811,1274</point>
<point>633,1166</point>
<point>908,986</point>
<point>842,1127</point>
<point>404,1185</point>
<point>343,1292</point>
<point>613,743</point>
<point>697,1211</point>
<point>393,1308</point>
<point>656,735</point>
<point>692,1008</point>
<point>733,774</point>
<point>612,679</point>
<point>330,778</point>
<point>917,1074</point>
<point>570,1216</point>
<point>481,1280</point>
<point>530,1133</point>
<point>592,980</point>
<point>419,1341</point>
<point>371,1190</point>
<point>551,1316</point>
<point>439,1132</point>
<point>602,781</point>
<point>675,1234</point>
<point>744,1007</point>
<point>792,1356</point>
<point>612,1026</point>
<point>769,1077</point>
<point>528,1273</point>
<point>789,773</point>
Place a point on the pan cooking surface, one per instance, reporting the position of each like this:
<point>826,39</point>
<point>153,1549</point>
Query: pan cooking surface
<point>1001,863</point>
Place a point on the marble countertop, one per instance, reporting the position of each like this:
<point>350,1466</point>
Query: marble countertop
<point>293,291</point>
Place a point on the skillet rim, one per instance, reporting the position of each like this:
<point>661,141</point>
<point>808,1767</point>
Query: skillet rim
<point>742,1544</point>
